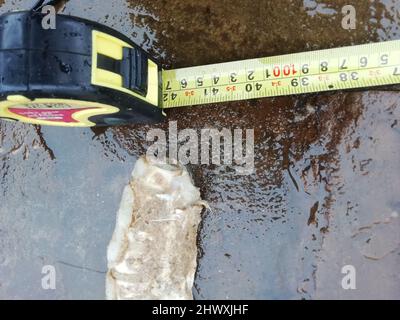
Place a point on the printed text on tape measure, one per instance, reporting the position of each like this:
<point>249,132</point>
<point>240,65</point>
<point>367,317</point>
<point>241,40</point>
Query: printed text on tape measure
<point>333,69</point>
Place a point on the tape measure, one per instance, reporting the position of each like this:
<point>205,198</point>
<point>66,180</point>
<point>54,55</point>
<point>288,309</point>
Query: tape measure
<point>359,66</point>
<point>79,74</point>
<point>84,74</point>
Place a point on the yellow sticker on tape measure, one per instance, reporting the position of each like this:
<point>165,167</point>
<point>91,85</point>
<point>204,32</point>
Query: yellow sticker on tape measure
<point>359,66</point>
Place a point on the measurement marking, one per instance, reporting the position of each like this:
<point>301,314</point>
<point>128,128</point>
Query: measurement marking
<point>353,76</point>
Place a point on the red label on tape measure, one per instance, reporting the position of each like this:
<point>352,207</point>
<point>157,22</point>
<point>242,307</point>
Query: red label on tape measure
<point>59,115</point>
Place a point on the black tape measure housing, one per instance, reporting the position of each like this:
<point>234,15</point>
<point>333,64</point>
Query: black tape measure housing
<point>57,64</point>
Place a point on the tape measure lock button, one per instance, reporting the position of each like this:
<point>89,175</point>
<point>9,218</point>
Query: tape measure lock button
<point>132,68</point>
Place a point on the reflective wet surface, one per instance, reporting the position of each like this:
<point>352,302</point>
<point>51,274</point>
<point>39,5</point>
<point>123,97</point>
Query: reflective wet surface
<point>325,192</point>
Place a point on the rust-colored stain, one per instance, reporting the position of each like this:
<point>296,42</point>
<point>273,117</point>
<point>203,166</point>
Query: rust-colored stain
<point>200,32</point>
<point>312,219</point>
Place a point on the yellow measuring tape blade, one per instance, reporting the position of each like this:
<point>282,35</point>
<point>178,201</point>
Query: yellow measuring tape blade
<point>360,66</point>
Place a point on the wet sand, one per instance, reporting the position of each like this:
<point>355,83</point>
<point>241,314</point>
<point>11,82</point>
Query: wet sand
<point>325,189</point>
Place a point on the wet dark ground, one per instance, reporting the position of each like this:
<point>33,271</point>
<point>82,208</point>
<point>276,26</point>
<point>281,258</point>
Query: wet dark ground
<point>325,192</point>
